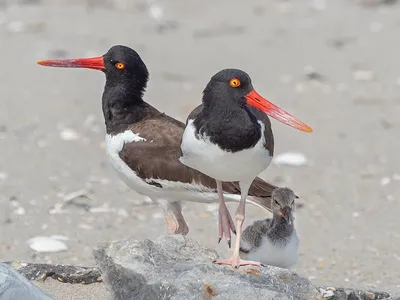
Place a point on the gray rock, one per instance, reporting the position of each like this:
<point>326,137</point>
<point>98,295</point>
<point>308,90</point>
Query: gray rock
<point>13,286</point>
<point>177,268</point>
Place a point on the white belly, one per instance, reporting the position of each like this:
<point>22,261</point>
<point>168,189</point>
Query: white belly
<point>283,256</point>
<point>210,159</point>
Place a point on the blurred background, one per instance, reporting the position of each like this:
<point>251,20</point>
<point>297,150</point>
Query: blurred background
<point>333,64</point>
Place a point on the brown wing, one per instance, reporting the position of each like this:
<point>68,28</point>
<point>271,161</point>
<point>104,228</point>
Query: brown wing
<point>158,158</point>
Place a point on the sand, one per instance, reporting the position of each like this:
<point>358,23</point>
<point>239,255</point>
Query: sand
<point>336,68</point>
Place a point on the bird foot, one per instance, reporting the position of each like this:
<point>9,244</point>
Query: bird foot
<point>177,227</point>
<point>236,262</point>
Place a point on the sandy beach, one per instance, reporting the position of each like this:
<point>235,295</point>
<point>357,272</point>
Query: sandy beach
<point>333,64</point>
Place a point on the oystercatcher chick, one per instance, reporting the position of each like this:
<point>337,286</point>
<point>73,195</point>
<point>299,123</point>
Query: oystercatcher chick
<point>143,144</point>
<point>229,138</point>
<point>273,241</point>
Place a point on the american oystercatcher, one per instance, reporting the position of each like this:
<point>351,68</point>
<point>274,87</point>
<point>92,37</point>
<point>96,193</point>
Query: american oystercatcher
<point>229,138</point>
<point>143,144</point>
<point>273,241</point>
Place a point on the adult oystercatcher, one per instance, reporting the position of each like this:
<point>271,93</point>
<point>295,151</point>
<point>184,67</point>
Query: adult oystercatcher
<point>143,144</point>
<point>229,138</point>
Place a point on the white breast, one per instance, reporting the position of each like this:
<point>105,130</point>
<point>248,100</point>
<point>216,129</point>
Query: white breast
<point>114,145</point>
<point>208,158</point>
<point>283,256</point>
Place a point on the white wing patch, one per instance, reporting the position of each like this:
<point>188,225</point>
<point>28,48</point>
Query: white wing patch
<point>115,143</point>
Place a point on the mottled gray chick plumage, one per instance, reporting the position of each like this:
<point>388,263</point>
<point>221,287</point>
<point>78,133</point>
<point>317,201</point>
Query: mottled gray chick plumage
<point>273,241</point>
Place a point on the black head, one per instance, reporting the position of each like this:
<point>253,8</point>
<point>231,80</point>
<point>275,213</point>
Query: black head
<point>121,64</point>
<point>126,80</point>
<point>234,87</point>
<point>230,85</point>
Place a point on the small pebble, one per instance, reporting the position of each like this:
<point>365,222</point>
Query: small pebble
<point>390,198</point>
<point>363,75</point>
<point>20,211</point>
<point>3,176</point>
<point>355,214</point>
<point>47,244</point>
<point>396,176</point>
<point>326,293</point>
<point>69,134</point>
<point>147,200</point>
<point>156,11</point>
<point>385,181</point>
<point>290,159</point>
<point>105,208</point>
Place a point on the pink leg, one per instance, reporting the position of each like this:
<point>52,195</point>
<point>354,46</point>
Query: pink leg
<point>235,260</point>
<point>225,220</point>
<point>173,215</point>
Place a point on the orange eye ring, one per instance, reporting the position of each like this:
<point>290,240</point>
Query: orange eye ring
<point>234,82</point>
<point>120,65</point>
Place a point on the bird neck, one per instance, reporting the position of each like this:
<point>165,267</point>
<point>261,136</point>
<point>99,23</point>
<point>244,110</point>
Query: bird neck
<point>280,228</point>
<point>123,105</point>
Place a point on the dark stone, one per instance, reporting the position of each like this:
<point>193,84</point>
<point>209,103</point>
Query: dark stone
<point>62,273</point>
<point>15,287</point>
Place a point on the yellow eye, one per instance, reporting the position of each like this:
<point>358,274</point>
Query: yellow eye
<point>120,66</point>
<point>234,82</point>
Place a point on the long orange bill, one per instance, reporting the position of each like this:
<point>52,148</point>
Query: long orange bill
<point>256,100</point>
<point>96,63</point>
